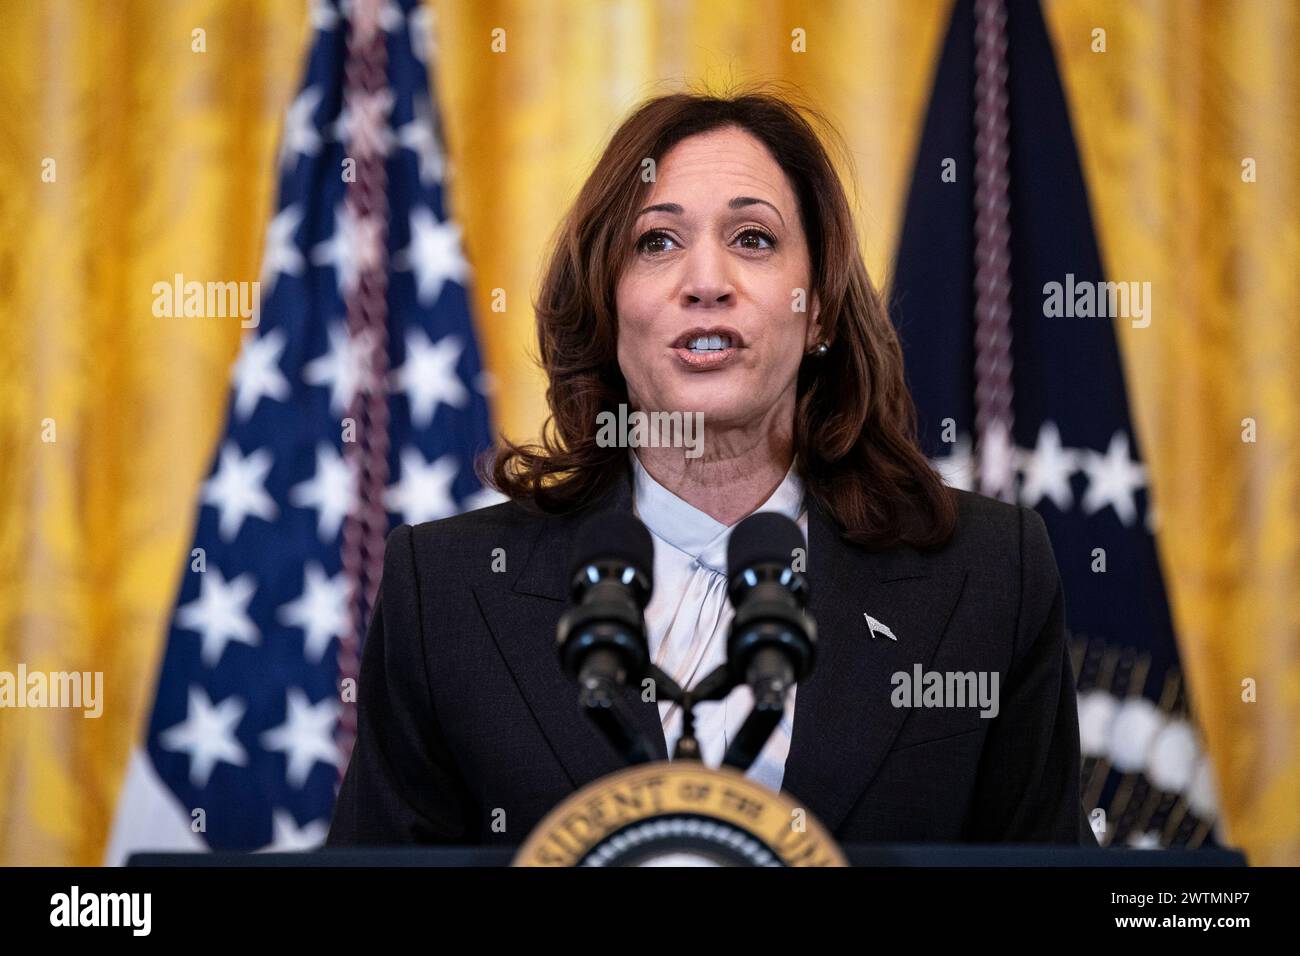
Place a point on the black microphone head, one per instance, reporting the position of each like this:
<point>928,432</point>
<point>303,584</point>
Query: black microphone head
<point>765,537</point>
<point>615,536</point>
<point>768,588</point>
<point>611,568</point>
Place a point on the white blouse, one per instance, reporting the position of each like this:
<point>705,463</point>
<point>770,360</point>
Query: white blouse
<point>688,616</point>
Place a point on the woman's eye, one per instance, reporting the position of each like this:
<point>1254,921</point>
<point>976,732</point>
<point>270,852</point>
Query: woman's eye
<point>644,244</point>
<point>756,235</point>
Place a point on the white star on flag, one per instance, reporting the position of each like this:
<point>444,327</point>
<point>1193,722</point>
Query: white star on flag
<point>288,837</point>
<point>1112,479</point>
<point>321,611</point>
<point>428,375</point>
<point>420,137</point>
<point>220,614</point>
<point>355,247</point>
<point>345,368</point>
<point>331,490</point>
<point>282,255</point>
<point>306,736</point>
<point>367,18</point>
<point>1048,469</point>
<point>424,36</point>
<point>434,254</point>
<point>424,491</point>
<point>324,16</point>
<point>207,735</point>
<point>257,372</point>
<point>301,137</point>
<point>237,491</point>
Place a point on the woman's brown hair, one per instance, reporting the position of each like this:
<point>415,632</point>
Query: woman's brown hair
<point>854,431</point>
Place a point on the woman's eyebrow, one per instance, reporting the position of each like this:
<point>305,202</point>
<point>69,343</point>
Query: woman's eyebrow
<point>738,202</point>
<point>742,201</point>
<point>668,207</point>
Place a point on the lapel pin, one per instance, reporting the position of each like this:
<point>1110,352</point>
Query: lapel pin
<point>878,628</point>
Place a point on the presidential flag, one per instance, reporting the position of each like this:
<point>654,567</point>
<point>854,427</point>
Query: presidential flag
<point>1007,321</point>
<point>357,401</point>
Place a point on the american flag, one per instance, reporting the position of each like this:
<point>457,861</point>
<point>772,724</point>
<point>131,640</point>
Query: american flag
<point>358,401</point>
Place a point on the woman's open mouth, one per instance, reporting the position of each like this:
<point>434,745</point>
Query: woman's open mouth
<point>702,349</point>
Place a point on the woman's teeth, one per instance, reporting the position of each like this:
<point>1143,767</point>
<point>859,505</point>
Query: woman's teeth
<point>709,343</point>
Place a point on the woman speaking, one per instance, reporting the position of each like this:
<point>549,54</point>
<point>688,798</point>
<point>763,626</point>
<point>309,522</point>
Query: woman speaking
<point>710,267</point>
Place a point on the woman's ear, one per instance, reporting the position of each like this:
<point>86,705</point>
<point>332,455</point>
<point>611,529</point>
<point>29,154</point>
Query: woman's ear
<point>814,337</point>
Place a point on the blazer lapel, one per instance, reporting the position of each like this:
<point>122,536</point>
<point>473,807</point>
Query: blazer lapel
<point>844,722</point>
<point>523,621</point>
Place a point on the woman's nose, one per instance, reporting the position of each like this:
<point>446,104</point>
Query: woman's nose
<point>707,280</point>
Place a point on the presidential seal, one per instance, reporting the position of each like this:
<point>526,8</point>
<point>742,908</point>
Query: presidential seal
<point>678,814</point>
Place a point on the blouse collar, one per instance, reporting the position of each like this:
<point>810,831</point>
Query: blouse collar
<point>690,530</point>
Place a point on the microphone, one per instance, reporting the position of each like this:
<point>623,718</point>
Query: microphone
<point>770,645</point>
<point>601,637</point>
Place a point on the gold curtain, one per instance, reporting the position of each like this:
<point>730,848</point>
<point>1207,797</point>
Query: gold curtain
<point>165,160</point>
<point>1184,95</point>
